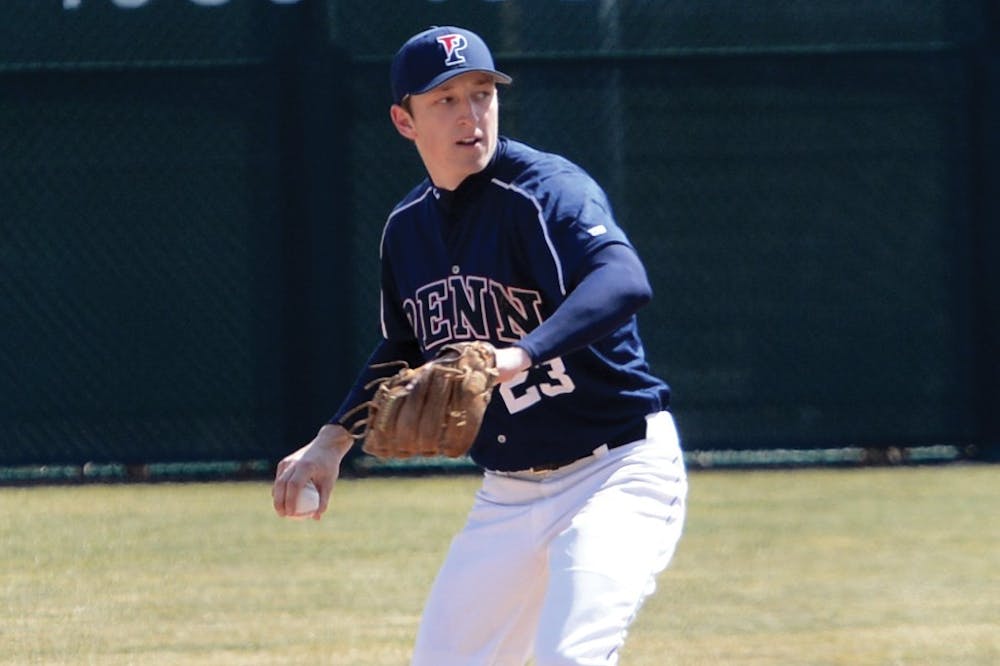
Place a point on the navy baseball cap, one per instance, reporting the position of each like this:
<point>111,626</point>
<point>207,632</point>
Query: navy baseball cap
<point>433,56</point>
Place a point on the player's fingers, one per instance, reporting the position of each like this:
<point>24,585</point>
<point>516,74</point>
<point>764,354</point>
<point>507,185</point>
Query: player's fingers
<point>286,488</point>
<point>511,362</point>
<point>278,492</point>
<point>325,490</point>
<point>292,489</point>
<point>280,470</point>
<point>278,487</point>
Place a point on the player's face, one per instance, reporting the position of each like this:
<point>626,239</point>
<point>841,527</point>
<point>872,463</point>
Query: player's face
<point>454,127</point>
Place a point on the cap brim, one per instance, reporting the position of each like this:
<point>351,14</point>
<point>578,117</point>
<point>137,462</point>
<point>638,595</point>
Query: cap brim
<point>500,77</point>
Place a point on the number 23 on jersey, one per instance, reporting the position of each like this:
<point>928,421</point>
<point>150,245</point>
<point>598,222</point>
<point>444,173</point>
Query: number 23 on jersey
<point>548,379</point>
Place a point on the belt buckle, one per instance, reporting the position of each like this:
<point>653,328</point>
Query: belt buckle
<point>549,467</point>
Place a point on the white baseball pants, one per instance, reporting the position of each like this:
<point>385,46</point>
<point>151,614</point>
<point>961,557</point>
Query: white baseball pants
<point>555,565</point>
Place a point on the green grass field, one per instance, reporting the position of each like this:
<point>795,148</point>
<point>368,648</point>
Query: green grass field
<point>854,566</point>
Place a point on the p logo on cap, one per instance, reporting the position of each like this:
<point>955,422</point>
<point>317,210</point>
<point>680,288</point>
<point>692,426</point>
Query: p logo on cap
<point>453,45</point>
<point>433,56</point>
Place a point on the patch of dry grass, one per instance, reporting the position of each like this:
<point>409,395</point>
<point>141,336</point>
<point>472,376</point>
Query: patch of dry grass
<point>864,566</point>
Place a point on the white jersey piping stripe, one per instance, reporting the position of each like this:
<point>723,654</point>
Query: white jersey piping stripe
<point>381,249</point>
<point>545,229</point>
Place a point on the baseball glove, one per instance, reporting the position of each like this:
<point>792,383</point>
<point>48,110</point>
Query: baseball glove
<point>433,410</point>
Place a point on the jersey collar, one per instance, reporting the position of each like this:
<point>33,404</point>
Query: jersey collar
<point>452,202</point>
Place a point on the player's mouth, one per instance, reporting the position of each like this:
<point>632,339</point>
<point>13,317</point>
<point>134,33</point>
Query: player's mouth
<point>471,141</point>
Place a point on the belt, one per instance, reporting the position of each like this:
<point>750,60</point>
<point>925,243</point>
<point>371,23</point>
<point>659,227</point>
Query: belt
<point>632,434</point>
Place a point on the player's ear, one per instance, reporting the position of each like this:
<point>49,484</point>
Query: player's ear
<point>403,121</point>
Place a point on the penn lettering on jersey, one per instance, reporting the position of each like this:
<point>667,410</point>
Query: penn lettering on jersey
<point>492,261</point>
<point>471,308</point>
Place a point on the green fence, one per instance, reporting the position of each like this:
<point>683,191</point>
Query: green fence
<point>192,194</point>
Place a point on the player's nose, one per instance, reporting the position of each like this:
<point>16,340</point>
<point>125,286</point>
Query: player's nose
<point>468,109</point>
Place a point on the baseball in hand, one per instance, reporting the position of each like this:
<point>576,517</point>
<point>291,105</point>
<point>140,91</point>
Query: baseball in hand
<point>307,502</point>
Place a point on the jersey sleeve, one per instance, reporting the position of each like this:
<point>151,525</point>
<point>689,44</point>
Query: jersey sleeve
<point>579,224</point>
<point>613,287</point>
<point>601,279</point>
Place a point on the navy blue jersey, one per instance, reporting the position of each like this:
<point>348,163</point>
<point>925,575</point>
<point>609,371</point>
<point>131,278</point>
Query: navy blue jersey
<point>492,261</point>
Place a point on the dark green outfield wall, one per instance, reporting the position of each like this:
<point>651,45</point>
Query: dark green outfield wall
<point>191,195</point>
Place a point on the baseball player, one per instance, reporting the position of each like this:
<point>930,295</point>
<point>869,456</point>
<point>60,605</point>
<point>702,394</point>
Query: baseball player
<point>583,494</point>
